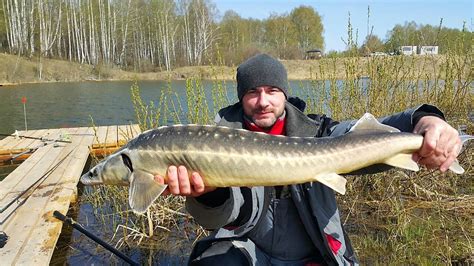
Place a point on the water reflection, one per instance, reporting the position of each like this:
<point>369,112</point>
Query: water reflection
<point>6,170</point>
<point>74,248</point>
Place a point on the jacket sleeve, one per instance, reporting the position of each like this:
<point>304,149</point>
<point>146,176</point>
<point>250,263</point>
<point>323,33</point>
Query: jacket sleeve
<point>405,121</point>
<point>216,209</point>
<point>238,212</point>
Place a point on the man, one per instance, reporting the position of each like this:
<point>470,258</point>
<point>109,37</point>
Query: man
<point>287,225</point>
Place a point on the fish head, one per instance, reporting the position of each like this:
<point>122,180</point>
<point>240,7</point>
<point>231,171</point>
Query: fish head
<point>114,170</point>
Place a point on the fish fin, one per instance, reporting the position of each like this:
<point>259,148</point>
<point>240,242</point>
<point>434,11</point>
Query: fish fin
<point>333,181</point>
<point>368,123</point>
<point>403,160</point>
<point>465,138</point>
<point>143,191</point>
<point>456,168</point>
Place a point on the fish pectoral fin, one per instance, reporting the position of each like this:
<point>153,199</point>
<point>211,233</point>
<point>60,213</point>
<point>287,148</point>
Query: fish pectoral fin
<point>456,168</point>
<point>333,181</point>
<point>402,160</point>
<point>143,191</point>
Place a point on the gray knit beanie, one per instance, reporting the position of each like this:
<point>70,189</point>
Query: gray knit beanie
<point>261,70</point>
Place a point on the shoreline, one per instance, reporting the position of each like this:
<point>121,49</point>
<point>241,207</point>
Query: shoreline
<point>16,70</point>
<point>13,84</point>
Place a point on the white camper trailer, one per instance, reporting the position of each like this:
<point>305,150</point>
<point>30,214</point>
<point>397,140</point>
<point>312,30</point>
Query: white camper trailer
<point>408,50</point>
<point>428,50</point>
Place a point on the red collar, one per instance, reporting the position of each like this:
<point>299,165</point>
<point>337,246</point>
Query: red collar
<point>277,129</point>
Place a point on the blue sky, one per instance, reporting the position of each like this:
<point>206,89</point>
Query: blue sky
<point>384,14</point>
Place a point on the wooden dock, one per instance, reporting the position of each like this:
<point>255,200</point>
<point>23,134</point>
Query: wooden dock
<point>52,170</point>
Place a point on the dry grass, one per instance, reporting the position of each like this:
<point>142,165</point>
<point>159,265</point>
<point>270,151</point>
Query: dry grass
<point>412,218</point>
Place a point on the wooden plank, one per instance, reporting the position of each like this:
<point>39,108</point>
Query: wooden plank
<point>27,217</point>
<point>13,143</point>
<point>4,141</point>
<point>6,160</point>
<point>10,182</point>
<point>112,136</point>
<point>14,179</point>
<point>51,134</point>
<point>10,145</point>
<point>41,133</point>
<point>26,175</point>
<point>100,135</point>
<point>45,234</point>
<point>24,218</point>
<point>7,140</point>
<point>125,134</point>
<point>115,136</point>
<point>136,130</point>
<point>32,229</point>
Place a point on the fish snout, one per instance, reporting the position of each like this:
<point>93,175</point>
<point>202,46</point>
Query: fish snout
<point>90,178</point>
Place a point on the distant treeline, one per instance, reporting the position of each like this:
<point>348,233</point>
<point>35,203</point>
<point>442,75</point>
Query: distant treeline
<point>149,35</point>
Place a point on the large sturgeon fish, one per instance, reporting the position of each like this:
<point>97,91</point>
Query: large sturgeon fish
<point>227,157</point>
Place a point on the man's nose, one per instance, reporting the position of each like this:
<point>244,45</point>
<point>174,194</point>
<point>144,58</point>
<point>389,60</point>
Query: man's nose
<point>263,99</point>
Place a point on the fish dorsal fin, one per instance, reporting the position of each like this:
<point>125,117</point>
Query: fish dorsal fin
<point>143,191</point>
<point>403,160</point>
<point>367,123</point>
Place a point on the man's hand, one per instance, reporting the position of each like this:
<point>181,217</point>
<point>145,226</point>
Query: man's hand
<point>179,182</point>
<point>441,143</point>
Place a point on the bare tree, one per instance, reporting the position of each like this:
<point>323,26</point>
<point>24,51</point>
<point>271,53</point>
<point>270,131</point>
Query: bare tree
<point>199,29</point>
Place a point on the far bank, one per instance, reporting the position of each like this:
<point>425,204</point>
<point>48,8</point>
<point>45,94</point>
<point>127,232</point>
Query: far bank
<point>17,70</point>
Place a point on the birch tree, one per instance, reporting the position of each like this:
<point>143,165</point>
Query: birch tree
<point>200,31</point>
<point>49,13</point>
<point>19,30</point>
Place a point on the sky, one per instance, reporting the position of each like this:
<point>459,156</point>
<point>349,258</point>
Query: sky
<point>384,14</point>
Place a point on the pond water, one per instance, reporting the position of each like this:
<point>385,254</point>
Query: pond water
<point>57,105</point>
<point>5,170</point>
<point>74,248</point>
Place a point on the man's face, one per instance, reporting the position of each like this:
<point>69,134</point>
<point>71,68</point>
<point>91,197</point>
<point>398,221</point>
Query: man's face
<point>264,105</point>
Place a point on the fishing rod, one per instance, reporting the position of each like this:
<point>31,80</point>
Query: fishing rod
<point>80,228</point>
<point>30,150</point>
<point>36,182</point>
<point>16,135</point>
